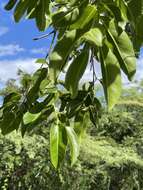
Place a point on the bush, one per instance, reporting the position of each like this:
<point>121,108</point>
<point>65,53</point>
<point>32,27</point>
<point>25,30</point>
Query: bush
<point>111,157</point>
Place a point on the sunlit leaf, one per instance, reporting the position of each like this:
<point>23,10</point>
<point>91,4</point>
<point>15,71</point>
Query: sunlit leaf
<point>41,61</point>
<point>124,51</point>
<point>93,36</point>
<point>54,145</point>
<point>88,13</point>
<point>29,117</point>
<point>60,54</point>
<point>111,76</point>
<point>74,146</point>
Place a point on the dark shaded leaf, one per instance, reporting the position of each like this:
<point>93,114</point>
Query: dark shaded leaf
<point>10,4</point>
<point>76,71</point>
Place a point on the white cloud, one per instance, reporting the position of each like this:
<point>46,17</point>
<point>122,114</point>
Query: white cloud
<point>42,51</point>
<point>139,73</point>
<point>9,68</point>
<point>10,49</point>
<point>3,30</point>
<point>88,75</point>
<point>138,76</point>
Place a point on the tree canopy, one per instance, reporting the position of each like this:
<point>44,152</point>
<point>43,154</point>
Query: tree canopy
<point>82,31</point>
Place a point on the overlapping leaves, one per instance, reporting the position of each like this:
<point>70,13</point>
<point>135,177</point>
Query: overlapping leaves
<point>39,10</point>
<point>38,106</point>
<point>107,31</point>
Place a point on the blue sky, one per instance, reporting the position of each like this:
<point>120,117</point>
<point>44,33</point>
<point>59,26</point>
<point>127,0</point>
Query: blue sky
<point>18,50</point>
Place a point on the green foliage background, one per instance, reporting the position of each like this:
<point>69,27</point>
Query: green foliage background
<point>111,155</point>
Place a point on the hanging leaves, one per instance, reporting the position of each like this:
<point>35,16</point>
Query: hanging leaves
<point>60,54</point>
<point>88,13</point>
<point>80,124</point>
<point>20,9</point>
<point>93,36</point>
<point>64,18</point>
<point>58,143</point>
<point>123,49</point>
<point>111,76</point>
<point>10,4</point>
<point>38,10</point>
<point>54,144</point>
<point>40,75</point>
<point>107,31</point>
<point>73,142</point>
<point>75,72</point>
<point>43,15</point>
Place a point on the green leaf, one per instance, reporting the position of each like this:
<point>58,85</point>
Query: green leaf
<point>45,113</point>
<point>43,15</point>
<point>58,144</point>
<point>124,52</point>
<point>62,144</point>
<point>13,97</point>
<point>60,54</point>
<point>10,121</point>
<point>29,117</point>
<point>81,122</point>
<point>136,8</point>
<point>20,9</point>
<point>37,107</point>
<point>124,9</point>
<point>10,4</point>
<point>76,71</point>
<point>139,31</point>
<point>32,8</point>
<point>114,11</point>
<point>6,122</point>
<point>111,76</point>
<point>40,75</point>
<point>88,13</point>
<point>128,55</point>
<point>41,61</point>
<point>93,36</point>
<point>74,105</point>
<point>65,18</point>
<point>73,142</point>
<point>54,145</point>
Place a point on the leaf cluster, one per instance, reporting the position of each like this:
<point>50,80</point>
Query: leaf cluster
<point>85,33</point>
